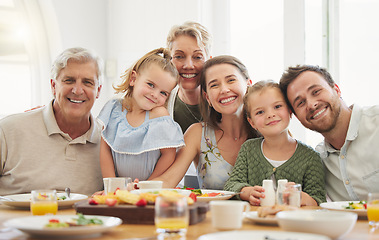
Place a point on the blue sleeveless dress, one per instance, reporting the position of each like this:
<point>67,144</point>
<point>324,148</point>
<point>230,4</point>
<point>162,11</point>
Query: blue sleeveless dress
<point>136,150</point>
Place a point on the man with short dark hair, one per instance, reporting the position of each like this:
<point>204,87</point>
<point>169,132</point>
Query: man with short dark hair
<point>351,133</point>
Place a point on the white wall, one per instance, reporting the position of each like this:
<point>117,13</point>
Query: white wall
<point>81,24</point>
<point>121,31</point>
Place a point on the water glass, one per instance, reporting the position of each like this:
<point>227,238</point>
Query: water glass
<point>44,202</point>
<point>373,209</point>
<point>171,216</point>
<point>292,195</point>
<point>114,183</point>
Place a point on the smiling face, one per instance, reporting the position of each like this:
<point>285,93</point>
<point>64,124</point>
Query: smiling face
<point>189,60</point>
<point>225,88</point>
<point>269,113</point>
<point>316,104</point>
<point>75,89</point>
<point>151,87</point>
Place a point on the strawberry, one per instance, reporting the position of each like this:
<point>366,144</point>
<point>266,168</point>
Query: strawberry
<point>92,201</point>
<point>54,220</point>
<point>193,196</point>
<point>114,193</point>
<point>141,203</point>
<point>111,202</point>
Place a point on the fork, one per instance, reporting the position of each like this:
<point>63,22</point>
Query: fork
<point>68,192</point>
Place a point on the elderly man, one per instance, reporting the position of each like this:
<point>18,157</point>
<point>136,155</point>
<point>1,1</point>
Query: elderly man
<point>351,134</point>
<point>56,146</point>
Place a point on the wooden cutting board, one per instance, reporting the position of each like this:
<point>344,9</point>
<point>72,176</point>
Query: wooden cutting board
<point>131,214</point>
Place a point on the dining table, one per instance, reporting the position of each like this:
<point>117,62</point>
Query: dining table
<point>361,230</point>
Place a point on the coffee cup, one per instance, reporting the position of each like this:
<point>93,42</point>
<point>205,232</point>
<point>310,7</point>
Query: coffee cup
<point>228,214</point>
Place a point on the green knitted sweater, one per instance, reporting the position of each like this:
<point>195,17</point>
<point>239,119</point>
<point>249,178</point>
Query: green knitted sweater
<point>305,167</point>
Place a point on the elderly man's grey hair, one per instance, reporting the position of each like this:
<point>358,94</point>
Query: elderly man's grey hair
<point>80,55</point>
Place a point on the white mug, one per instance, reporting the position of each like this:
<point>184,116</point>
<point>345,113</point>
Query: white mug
<point>228,214</point>
<point>149,184</point>
<point>111,184</point>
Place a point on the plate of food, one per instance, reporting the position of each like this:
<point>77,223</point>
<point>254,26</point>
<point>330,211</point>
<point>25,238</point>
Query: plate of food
<point>63,225</point>
<point>261,235</point>
<point>253,217</point>
<point>267,215</point>
<point>358,207</point>
<point>206,195</point>
<point>183,192</point>
<point>23,200</point>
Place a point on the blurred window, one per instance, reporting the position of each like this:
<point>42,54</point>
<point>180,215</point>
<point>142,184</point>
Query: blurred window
<point>341,35</point>
<point>15,73</point>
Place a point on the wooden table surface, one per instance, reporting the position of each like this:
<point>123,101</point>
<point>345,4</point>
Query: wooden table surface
<point>361,230</point>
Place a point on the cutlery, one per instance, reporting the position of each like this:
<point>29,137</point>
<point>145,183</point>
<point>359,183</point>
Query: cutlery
<point>6,199</point>
<point>68,192</point>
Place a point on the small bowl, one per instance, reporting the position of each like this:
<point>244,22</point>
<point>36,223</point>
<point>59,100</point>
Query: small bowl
<point>330,223</point>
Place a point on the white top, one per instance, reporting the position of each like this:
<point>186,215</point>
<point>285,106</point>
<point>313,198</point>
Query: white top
<point>353,171</point>
<point>213,170</point>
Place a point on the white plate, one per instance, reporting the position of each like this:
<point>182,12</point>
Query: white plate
<point>23,200</point>
<point>224,195</point>
<point>34,225</point>
<point>340,206</point>
<point>261,235</point>
<point>180,191</point>
<point>253,216</point>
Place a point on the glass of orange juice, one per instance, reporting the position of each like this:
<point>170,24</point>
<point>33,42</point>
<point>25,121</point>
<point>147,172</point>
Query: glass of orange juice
<point>171,216</point>
<point>373,209</point>
<point>44,202</point>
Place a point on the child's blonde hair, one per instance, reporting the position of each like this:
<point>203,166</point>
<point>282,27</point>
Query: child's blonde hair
<point>259,87</point>
<point>161,57</point>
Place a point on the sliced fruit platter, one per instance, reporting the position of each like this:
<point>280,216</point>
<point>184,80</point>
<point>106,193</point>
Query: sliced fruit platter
<point>137,206</point>
<point>139,198</point>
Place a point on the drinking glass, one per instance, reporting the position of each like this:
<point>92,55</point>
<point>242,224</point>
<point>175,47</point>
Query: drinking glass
<point>44,202</point>
<point>171,216</point>
<point>292,195</point>
<point>114,183</point>
<point>373,209</point>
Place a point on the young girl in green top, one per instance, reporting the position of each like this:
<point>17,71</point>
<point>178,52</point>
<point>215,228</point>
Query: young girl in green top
<point>276,155</point>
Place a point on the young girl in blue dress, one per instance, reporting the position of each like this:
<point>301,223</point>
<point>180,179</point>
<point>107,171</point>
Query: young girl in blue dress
<point>139,138</point>
<point>276,155</point>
